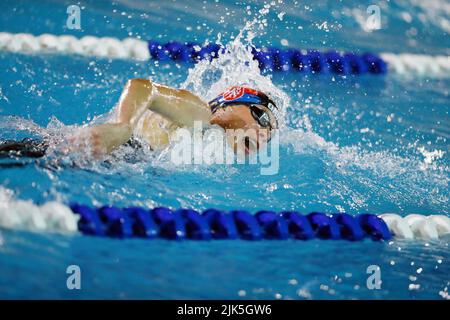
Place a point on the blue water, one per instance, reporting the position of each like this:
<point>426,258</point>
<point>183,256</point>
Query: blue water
<point>356,144</point>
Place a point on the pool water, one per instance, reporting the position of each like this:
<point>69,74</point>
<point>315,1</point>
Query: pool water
<point>358,144</point>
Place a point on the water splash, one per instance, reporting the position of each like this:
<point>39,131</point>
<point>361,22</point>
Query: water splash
<point>235,65</point>
<point>20,124</point>
<point>430,157</point>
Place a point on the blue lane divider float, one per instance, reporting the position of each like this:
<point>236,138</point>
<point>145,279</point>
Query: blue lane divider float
<point>182,224</point>
<point>275,59</point>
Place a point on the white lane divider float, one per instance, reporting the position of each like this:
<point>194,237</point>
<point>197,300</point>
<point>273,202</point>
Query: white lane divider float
<point>24,215</point>
<point>416,226</point>
<point>108,47</point>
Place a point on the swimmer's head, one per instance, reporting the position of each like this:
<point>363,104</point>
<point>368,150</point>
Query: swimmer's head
<point>249,110</point>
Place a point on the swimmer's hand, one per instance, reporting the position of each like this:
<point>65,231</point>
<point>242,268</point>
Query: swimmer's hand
<point>100,140</point>
<point>105,138</point>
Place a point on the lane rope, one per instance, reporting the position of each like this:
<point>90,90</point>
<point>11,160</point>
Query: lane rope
<point>179,224</point>
<point>269,59</point>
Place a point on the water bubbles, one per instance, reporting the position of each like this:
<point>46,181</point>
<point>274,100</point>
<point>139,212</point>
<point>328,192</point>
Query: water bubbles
<point>304,293</point>
<point>430,157</point>
<point>406,16</point>
<point>444,294</point>
<point>413,286</point>
<point>324,287</point>
<point>323,26</point>
<point>2,96</point>
<point>390,117</point>
<point>271,187</point>
<point>248,10</point>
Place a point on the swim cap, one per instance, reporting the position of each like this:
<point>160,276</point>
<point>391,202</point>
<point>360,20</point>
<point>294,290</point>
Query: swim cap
<point>244,95</point>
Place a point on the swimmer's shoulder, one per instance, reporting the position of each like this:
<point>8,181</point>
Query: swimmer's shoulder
<point>155,129</point>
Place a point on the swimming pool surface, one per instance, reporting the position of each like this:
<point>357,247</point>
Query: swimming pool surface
<point>358,144</point>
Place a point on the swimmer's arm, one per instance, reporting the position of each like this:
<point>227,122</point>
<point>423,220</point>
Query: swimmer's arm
<point>181,107</point>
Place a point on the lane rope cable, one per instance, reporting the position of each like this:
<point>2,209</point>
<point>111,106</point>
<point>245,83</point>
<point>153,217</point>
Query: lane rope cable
<point>269,59</point>
<point>179,224</point>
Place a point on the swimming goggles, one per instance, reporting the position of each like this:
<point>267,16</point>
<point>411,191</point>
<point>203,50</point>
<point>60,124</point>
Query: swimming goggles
<point>261,106</point>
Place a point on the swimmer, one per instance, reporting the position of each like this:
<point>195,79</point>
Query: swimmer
<point>152,112</point>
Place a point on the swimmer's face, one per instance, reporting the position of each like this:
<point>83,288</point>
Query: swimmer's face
<point>252,136</point>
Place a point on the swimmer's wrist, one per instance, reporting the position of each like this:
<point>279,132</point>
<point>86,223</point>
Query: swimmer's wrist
<point>109,136</point>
